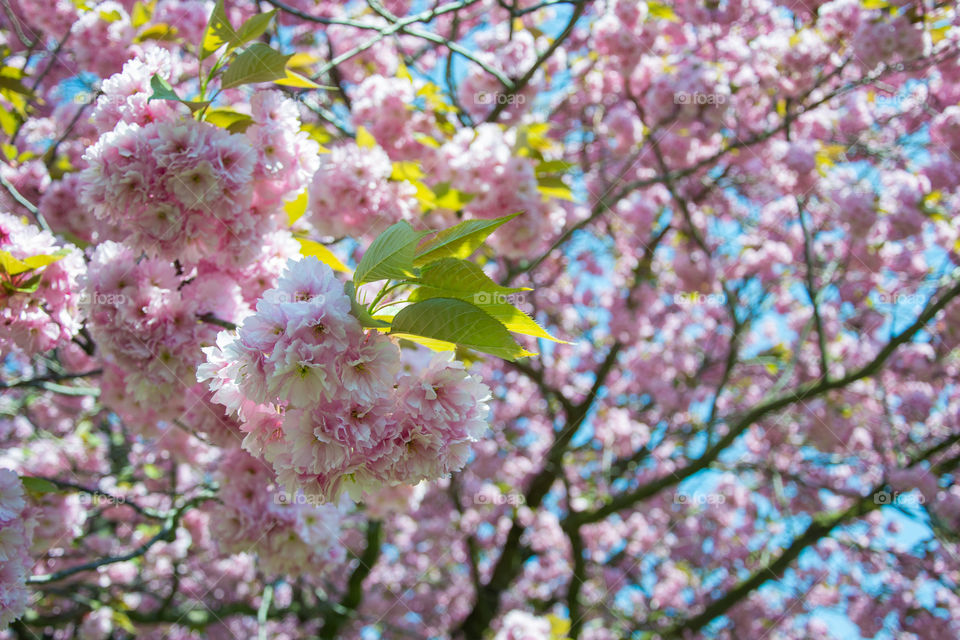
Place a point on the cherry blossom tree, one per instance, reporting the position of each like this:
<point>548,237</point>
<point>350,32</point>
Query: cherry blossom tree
<point>507,319</point>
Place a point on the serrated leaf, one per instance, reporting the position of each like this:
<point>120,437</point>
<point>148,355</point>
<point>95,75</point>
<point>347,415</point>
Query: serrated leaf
<point>456,278</point>
<point>458,322</point>
<point>365,139</point>
<point>257,63</point>
<point>38,486</point>
<point>390,256</point>
<point>360,312</point>
<point>299,81</point>
<point>459,241</point>
<point>254,27</point>
<point>429,343</point>
<point>321,253</point>
<point>517,321</point>
<point>302,60</point>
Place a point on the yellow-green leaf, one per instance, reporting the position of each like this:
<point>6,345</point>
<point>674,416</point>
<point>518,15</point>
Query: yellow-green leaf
<point>257,63</point>
<point>141,13</point>
<point>365,139</point>
<point>298,80</point>
<point>662,12</point>
<point>554,187</point>
<point>406,170</point>
<point>228,118</point>
<point>517,321</point>
<point>297,207</point>
<point>321,253</point>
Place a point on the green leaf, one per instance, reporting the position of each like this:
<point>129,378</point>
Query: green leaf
<point>228,119</point>
<point>553,166</point>
<point>459,241</point>
<point>38,486</point>
<point>11,80</point>
<point>8,120</point>
<point>161,31</point>
<point>141,13</point>
<point>455,278</point>
<point>257,63</point>
<point>163,90</point>
<point>662,11</point>
<point>447,198</point>
<point>14,266</point>
<point>360,312</point>
<point>554,187</point>
<point>298,81</point>
<point>321,253</point>
<point>517,321</point>
<point>219,31</point>
<point>254,27</point>
<point>390,256</point>
<point>458,322</point>
<point>29,286</point>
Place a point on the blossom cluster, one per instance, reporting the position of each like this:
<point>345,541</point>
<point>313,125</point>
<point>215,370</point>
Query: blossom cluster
<point>351,194</point>
<point>182,189</point>
<point>15,560</point>
<point>145,320</point>
<point>290,535</point>
<point>38,307</point>
<point>327,405</point>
